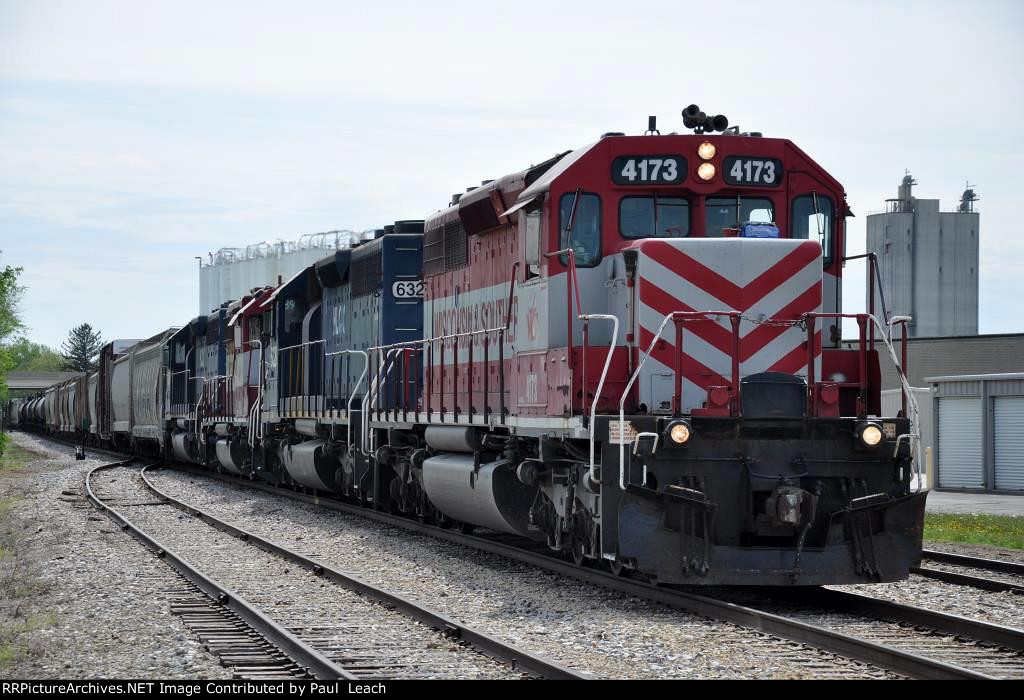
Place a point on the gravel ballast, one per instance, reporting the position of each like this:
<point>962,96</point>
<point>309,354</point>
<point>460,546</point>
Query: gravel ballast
<point>88,600</point>
<point>579,625</point>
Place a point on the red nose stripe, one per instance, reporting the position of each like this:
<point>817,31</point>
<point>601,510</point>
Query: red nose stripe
<point>734,296</point>
<point>796,359</point>
<point>720,337</point>
<point>665,353</point>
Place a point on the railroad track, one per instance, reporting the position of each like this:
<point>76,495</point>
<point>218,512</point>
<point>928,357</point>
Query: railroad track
<point>909,641</point>
<point>244,638</point>
<point>355,631</point>
<point>967,648</point>
<point>976,649</point>
<point>964,571</point>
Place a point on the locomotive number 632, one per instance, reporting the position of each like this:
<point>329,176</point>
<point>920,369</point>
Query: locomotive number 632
<point>407,289</point>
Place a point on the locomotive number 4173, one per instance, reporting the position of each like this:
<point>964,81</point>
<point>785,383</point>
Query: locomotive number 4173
<point>644,170</point>
<point>740,170</point>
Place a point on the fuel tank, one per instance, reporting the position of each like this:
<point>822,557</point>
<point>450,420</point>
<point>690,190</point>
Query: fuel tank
<point>182,445</point>
<point>230,456</point>
<point>309,464</point>
<point>490,496</point>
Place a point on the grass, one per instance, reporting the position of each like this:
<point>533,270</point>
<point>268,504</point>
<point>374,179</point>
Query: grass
<point>993,530</point>
<point>18,579</point>
<point>14,458</point>
<point>11,648</point>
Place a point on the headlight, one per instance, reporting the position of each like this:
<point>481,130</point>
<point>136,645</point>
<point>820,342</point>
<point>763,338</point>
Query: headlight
<point>706,171</point>
<point>871,435</point>
<point>679,433</point>
<point>706,150</point>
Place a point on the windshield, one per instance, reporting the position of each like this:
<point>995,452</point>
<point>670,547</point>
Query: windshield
<point>654,217</point>
<point>582,226</point>
<point>732,212</point>
<point>812,218</point>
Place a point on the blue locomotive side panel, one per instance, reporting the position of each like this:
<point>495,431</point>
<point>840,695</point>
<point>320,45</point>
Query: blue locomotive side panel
<point>298,336</point>
<point>211,359</point>
<point>382,304</point>
<point>341,368</point>
<point>181,366</point>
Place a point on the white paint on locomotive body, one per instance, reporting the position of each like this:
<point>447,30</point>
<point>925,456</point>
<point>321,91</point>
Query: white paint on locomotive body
<point>765,280</point>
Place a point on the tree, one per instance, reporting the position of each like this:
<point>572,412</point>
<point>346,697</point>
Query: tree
<point>82,345</point>
<point>10,322</point>
<point>27,356</point>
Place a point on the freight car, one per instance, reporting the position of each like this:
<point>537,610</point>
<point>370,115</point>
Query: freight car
<point>629,352</point>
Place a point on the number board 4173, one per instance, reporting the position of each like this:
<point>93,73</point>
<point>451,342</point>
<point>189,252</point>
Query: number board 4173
<point>649,170</point>
<point>752,170</point>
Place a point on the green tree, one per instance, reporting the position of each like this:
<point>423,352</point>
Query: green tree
<point>27,356</point>
<point>10,322</point>
<point>82,345</point>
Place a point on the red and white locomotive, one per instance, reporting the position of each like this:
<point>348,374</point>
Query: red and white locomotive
<point>633,351</point>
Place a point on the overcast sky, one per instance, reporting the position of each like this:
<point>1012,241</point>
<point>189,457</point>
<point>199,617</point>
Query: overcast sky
<point>137,135</point>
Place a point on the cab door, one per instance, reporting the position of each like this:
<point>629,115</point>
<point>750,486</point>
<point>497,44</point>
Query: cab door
<point>812,213</point>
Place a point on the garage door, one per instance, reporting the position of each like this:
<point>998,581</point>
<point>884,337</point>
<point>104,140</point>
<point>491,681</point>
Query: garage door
<point>1008,428</point>
<point>961,463</point>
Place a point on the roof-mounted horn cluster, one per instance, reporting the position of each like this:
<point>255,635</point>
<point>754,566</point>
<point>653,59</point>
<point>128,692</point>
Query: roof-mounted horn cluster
<point>701,123</point>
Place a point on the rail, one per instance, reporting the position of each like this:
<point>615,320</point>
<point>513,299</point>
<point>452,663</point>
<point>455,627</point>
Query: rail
<point>466,634</point>
<point>913,664</point>
<point>313,661</point>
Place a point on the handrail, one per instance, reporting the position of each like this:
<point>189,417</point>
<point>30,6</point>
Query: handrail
<point>255,422</point>
<point>373,391</point>
<point>352,394</point>
<point>681,316</point>
<point>427,344</point>
<point>572,286</point>
<point>586,318</point>
<point>914,436</point>
<point>862,350</point>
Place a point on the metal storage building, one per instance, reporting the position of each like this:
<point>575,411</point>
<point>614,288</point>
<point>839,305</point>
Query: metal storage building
<point>231,273</point>
<point>980,443</point>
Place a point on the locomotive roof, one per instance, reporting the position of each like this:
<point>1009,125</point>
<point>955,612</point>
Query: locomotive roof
<point>543,183</point>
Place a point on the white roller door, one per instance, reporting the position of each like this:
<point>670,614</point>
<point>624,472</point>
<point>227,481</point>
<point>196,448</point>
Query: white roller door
<point>961,461</point>
<point>1009,442</point>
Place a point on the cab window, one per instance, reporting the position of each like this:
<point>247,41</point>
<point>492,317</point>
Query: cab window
<point>812,219</point>
<point>580,227</point>
<point>732,212</point>
<point>654,217</point>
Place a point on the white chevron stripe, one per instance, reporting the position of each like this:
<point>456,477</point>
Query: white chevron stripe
<point>653,272</point>
<point>746,258</point>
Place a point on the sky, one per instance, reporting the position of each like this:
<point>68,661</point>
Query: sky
<point>135,136</point>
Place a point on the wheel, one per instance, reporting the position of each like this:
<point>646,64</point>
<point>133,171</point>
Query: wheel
<point>618,567</point>
<point>576,551</point>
